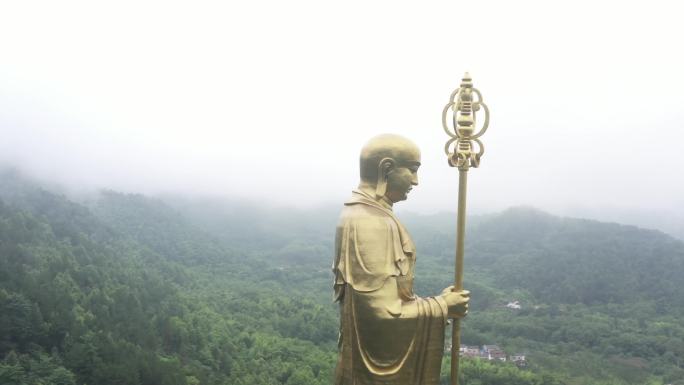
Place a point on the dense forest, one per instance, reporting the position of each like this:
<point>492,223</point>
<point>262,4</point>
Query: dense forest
<point>126,289</point>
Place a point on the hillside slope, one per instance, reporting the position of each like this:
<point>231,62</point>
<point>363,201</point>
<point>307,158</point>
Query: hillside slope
<point>129,293</point>
<point>128,289</point>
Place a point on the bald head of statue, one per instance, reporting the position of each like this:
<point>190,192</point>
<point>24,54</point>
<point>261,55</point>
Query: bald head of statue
<point>389,167</point>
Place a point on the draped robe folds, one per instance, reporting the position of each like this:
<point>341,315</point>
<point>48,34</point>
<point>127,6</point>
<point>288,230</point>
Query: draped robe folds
<point>388,335</point>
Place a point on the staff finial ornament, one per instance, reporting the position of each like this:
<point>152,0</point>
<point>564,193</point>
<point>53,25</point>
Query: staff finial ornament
<point>463,123</point>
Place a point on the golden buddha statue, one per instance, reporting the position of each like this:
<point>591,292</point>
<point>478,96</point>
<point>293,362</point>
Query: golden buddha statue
<point>388,335</point>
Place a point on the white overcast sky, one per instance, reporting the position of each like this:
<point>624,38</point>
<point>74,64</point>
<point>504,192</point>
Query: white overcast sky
<point>272,100</point>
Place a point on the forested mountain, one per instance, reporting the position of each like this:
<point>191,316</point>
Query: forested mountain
<point>125,293</point>
<point>601,302</point>
<point>567,260</point>
<point>127,289</point>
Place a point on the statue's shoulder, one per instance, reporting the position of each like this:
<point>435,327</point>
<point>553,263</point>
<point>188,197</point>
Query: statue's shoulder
<point>364,217</point>
<point>358,210</point>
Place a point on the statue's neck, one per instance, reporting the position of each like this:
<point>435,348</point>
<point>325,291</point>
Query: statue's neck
<point>369,189</point>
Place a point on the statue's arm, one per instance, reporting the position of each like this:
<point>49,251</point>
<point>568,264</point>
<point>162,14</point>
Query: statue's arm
<point>377,243</point>
<point>370,259</point>
<point>386,303</point>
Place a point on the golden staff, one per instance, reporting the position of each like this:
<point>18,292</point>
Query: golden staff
<point>463,156</point>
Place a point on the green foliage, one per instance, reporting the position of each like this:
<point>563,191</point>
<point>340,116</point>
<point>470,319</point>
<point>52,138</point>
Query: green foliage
<point>129,293</point>
<point>481,372</point>
<point>128,290</point>
<point>34,369</point>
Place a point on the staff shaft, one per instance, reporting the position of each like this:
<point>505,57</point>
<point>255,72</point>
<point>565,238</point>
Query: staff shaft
<point>460,250</point>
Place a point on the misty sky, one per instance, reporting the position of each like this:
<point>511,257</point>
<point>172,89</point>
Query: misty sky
<point>272,100</point>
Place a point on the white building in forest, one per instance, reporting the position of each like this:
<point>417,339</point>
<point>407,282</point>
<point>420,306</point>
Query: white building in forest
<point>489,353</point>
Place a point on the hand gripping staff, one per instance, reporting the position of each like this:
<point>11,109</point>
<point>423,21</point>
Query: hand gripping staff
<point>464,150</point>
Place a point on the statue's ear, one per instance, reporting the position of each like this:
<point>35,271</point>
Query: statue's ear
<point>385,166</point>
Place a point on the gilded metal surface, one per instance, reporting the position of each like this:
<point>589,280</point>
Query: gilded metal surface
<point>388,335</point>
<point>463,119</point>
<point>466,153</point>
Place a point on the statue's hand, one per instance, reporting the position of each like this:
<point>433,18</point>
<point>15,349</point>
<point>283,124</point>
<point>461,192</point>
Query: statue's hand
<point>457,302</point>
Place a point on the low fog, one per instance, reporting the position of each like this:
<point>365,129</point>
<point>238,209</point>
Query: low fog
<point>272,101</point>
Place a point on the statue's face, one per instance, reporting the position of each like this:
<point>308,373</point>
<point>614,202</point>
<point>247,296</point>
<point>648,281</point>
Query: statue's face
<point>403,176</point>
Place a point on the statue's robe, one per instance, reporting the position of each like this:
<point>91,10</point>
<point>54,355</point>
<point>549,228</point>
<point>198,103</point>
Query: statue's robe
<point>387,334</point>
